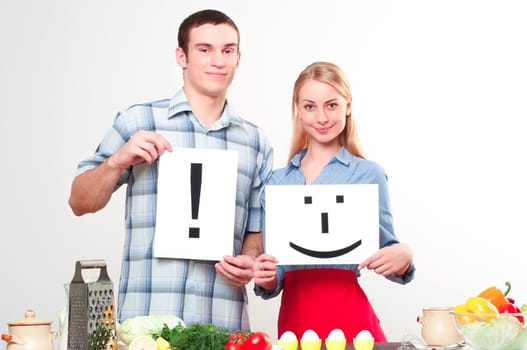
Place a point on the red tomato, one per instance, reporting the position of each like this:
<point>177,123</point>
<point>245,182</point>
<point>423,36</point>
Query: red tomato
<point>258,341</point>
<point>236,340</point>
<point>239,337</point>
<point>234,346</point>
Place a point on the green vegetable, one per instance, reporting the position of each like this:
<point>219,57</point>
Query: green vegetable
<point>145,325</point>
<point>500,333</point>
<point>100,337</point>
<point>195,337</point>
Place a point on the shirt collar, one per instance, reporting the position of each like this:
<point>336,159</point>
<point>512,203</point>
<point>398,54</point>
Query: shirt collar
<point>179,105</point>
<point>343,156</point>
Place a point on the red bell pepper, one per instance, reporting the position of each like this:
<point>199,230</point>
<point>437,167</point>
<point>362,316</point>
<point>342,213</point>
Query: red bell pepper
<point>511,308</point>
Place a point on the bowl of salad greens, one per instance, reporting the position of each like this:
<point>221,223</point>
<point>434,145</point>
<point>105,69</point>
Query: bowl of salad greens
<point>501,331</point>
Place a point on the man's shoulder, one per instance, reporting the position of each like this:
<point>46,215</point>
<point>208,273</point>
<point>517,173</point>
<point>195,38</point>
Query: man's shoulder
<point>247,123</point>
<point>162,104</point>
<point>144,110</point>
<point>141,116</point>
<point>250,127</point>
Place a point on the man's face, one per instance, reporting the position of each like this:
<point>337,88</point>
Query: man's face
<point>211,61</point>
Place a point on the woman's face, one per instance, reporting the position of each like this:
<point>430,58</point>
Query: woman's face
<point>322,112</point>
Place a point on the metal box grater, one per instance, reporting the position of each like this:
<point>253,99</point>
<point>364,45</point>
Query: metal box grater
<point>91,318</point>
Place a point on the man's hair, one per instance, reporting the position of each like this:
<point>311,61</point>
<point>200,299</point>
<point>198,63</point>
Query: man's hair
<point>199,18</point>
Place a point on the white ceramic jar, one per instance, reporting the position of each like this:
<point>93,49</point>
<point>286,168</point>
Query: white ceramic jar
<point>30,334</point>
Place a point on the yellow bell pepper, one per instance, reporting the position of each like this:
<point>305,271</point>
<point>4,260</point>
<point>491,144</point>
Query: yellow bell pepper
<point>481,307</point>
<point>462,314</point>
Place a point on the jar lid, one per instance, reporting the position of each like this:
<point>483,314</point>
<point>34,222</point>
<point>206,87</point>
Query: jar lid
<point>29,320</point>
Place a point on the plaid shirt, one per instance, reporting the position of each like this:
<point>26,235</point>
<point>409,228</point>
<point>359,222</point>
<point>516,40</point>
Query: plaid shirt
<point>189,289</point>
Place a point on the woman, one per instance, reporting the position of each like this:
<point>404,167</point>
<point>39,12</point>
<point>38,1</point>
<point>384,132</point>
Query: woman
<point>325,150</point>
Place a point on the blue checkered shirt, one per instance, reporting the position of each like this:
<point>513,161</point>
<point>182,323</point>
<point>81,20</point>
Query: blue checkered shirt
<point>189,289</point>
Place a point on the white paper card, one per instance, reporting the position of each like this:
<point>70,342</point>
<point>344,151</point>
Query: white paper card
<point>196,221</point>
<point>321,224</point>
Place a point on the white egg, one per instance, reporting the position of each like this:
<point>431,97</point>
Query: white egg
<point>310,335</point>
<point>288,336</point>
<point>364,334</point>
<point>336,334</point>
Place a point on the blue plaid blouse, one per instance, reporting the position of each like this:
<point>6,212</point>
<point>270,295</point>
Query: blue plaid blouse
<point>344,168</point>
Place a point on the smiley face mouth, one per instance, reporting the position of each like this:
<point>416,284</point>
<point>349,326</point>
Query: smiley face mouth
<point>326,254</point>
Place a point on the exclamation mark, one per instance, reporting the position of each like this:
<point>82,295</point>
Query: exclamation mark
<point>195,194</point>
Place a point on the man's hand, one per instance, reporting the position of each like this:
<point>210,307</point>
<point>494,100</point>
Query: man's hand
<point>237,269</point>
<point>143,146</point>
<point>92,190</point>
<point>265,271</point>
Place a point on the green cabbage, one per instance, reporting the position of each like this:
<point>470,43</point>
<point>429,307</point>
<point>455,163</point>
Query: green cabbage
<point>498,334</point>
<point>145,325</point>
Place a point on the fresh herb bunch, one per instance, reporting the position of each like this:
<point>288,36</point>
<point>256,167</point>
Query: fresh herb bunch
<point>195,337</point>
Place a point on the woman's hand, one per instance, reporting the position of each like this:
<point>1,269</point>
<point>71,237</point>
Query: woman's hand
<point>393,259</point>
<point>265,271</point>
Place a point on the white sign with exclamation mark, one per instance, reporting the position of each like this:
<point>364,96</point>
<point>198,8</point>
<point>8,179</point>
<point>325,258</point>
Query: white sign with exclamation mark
<point>196,201</point>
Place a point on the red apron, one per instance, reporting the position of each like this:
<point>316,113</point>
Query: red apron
<point>325,299</point>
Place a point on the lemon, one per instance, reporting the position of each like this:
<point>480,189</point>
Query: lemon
<point>162,344</point>
<point>142,342</point>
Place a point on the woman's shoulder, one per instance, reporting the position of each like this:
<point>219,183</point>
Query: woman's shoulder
<point>288,174</point>
<point>368,164</point>
<point>358,163</point>
<point>366,170</point>
<point>278,175</point>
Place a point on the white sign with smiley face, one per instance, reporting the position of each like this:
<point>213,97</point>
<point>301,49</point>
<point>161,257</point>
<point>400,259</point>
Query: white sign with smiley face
<point>321,224</point>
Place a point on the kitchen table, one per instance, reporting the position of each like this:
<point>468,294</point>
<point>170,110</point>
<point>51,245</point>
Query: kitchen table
<point>378,346</point>
<point>387,346</point>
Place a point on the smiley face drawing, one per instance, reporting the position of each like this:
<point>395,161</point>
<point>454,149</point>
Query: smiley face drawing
<point>324,220</point>
<point>321,224</point>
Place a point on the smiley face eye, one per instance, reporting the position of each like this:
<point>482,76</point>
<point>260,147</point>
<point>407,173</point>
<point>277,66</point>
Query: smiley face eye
<point>338,199</point>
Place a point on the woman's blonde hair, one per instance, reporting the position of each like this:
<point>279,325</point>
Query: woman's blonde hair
<point>331,74</point>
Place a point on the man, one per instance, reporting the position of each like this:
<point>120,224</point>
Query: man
<point>198,116</point>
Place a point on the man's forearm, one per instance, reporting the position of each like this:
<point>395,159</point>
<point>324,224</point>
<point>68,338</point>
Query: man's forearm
<point>92,190</point>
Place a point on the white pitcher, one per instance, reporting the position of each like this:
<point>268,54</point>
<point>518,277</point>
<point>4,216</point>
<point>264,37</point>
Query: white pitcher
<point>439,327</point>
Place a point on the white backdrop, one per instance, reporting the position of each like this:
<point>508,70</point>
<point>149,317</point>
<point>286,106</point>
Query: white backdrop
<point>439,95</point>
